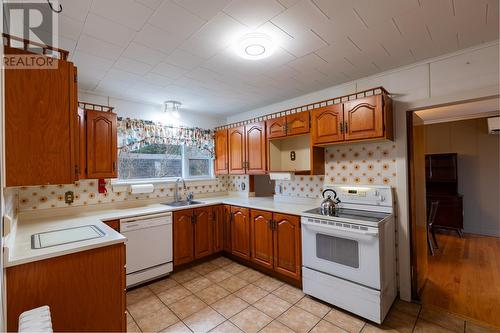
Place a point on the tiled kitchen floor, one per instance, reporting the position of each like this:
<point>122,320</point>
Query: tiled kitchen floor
<point>224,296</point>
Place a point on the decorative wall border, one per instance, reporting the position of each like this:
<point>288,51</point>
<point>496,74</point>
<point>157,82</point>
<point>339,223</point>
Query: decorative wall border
<point>95,107</point>
<point>311,106</point>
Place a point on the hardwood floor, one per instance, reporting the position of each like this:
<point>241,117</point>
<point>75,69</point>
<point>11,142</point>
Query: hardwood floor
<point>464,277</point>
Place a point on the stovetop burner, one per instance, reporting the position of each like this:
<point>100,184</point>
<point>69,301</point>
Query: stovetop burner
<point>352,214</point>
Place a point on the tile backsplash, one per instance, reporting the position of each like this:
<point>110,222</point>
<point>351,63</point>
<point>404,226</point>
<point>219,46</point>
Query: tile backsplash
<point>85,191</point>
<point>358,164</point>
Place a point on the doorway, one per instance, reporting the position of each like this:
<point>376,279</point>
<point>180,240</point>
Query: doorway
<point>454,213</point>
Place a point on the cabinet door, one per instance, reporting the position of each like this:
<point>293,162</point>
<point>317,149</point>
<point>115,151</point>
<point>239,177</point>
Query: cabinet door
<point>236,139</point>
<point>298,123</point>
<point>183,237</point>
<point>276,127</point>
<point>261,238</point>
<point>240,232</point>
<point>364,118</point>
<point>81,144</point>
<point>39,124</point>
<point>227,228</point>
<point>221,156</point>
<point>102,151</point>
<point>255,148</point>
<point>327,124</point>
<point>203,232</point>
<point>218,228</point>
<point>287,242</point>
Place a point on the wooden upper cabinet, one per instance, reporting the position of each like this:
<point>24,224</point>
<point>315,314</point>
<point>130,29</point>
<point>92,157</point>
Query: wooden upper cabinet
<point>183,237</point>
<point>261,223</point>
<point>40,108</point>
<point>255,148</point>
<point>218,228</point>
<point>203,231</point>
<point>236,139</point>
<point>327,124</point>
<point>102,150</point>
<point>298,123</point>
<point>276,128</point>
<point>240,232</point>
<point>81,144</point>
<point>221,152</point>
<point>287,245</point>
<point>364,118</point>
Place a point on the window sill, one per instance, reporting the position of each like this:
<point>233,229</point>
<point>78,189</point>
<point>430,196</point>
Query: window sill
<point>123,184</point>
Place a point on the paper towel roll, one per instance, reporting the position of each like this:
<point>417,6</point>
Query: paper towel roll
<point>142,188</point>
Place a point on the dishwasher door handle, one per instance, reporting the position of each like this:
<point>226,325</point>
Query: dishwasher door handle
<point>146,217</point>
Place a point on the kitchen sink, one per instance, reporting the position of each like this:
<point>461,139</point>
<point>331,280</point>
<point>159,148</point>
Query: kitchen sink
<point>182,203</point>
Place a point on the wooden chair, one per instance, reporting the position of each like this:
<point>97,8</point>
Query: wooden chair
<point>430,228</point>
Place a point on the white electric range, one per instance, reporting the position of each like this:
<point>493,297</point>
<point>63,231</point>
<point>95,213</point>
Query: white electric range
<point>349,258</point>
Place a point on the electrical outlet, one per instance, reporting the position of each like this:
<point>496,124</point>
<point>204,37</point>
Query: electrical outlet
<point>69,197</point>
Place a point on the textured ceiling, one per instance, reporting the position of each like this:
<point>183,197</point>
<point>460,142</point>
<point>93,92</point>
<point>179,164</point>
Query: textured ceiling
<point>156,50</point>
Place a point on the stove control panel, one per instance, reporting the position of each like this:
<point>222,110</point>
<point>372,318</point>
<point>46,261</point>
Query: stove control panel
<point>363,195</point>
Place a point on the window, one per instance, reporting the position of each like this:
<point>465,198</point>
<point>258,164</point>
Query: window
<point>165,161</point>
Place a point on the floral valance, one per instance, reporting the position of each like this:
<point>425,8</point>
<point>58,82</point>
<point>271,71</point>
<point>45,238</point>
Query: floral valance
<point>135,133</point>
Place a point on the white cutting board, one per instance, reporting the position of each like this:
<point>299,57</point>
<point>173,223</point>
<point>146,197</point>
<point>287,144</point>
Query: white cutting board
<point>65,236</point>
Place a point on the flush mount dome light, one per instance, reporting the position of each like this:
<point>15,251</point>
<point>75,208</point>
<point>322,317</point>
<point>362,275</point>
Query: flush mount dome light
<point>255,46</point>
<point>172,107</point>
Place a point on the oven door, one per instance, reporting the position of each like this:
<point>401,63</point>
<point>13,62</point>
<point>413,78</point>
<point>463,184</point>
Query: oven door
<point>347,251</point>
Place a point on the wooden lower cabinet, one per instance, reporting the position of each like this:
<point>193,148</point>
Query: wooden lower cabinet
<point>287,245</point>
<point>203,231</point>
<point>183,231</point>
<point>261,225</point>
<point>113,224</point>
<point>226,211</point>
<point>85,290</point>
<point>240,232</point>
<point>218,228</point>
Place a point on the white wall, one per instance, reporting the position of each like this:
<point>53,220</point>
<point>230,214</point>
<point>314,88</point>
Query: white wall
<point>467,74</point>
<point>131,109</point>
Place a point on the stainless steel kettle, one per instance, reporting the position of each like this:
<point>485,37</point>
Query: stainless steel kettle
<point>329,205</point>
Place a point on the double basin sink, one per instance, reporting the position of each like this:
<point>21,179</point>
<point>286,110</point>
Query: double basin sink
<point>182,203</point>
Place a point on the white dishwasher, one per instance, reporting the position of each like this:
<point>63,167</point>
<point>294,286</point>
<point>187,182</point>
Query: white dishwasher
<point>148,246</point>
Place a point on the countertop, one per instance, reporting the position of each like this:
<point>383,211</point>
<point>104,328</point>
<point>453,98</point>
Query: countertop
<point>19,251</point>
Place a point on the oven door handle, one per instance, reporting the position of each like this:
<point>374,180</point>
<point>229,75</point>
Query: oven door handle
<point>330,228</point>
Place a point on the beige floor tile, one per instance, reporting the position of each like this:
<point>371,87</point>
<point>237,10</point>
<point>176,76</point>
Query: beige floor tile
<point>129,317</point>
<point>162,285</point>
<point>222,261</point>
<point>156,321</point>
<point>372,328</point>
<point>177,328</point>
<point>137,294</point>
<point>233,284</point>
<point>289,293</point>
<point>144,307</point>
<point>344,320</point>
<point>272,305</point>
<point>174,294</point>
<point>276,327</point>
<point>234,268</point>
<point>205,268</point>
<point>185,275</point>
<point>229,306</point>
<point>250,275</point>
<point>479,328</point>
<point>218,275</point>
<point>400,321</point>
<point>410,308</point>
<point>313,306</point>
<point>424,326</point>
<point>268,283</point>
<point>197,284</point>
<point>251,293</point>
<point>226,327</point>
<point>204,320</point>
<point>250,320</point>
<point>132,327</point>
<point>443,319</point>
<point>212,294</point>
<point>298,320</point>
<point>326,327</point>
<point>187,306</point>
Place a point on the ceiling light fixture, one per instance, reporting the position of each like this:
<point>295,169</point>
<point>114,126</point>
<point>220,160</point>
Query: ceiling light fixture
<point>255,46</point>
<point>172,107</point>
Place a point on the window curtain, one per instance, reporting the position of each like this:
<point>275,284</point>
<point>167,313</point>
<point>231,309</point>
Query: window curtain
<point>135,133</point>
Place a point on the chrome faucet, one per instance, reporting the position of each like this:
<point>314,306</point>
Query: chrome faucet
<point>176,192</point>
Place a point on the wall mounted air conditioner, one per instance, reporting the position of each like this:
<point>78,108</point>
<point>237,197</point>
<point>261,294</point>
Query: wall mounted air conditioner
<point>494,125</point>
